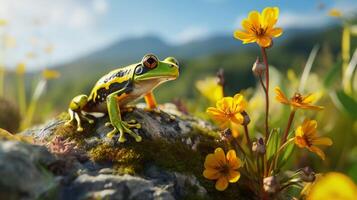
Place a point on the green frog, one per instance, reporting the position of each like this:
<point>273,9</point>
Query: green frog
<point>115,90</point>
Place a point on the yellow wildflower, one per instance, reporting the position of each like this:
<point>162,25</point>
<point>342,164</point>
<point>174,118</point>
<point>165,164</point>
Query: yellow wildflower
<point>50,74</point>
<point>297,101</point>
<point>9,41</point>
<point>20,68</point>
<point>222,168</point>
<point>3,22</point>
<point>210,88</point>
<point>306,137</point>
<point>228,110</point>
<point>335,13</point>
<point>333,186</point>
<point>260,28</point>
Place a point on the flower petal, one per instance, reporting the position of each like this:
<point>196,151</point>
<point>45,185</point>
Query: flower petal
<point>211,174</point>
<point>233,161</point>
<point>222,183</point>
<point>254,18</point>
<point>233,176</point>
<point>300,142</point>
<point>247,26</point>
<point>322,141</point>
<point>245,37</point>
<point>264,41</point>
<point>237,118</point>
<point>220,157</point>
<point>318,151</point>
<point>211,161</point>
<point>309,98</point>
<point>280,96</point>
<point>309,127</point>
<point>275,32</point>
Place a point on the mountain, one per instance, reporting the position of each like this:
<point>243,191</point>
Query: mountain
<point>197,60</point>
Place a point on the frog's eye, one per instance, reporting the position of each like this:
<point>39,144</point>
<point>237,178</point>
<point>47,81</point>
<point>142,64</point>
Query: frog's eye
<point>150,61</point>
<point>139,69</point>
<point>175,61</point>
<point>172,60</point>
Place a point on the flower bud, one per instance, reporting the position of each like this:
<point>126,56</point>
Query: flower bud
<point>307,174</point>
<point>259,146</point>
<point>246,118</point>
<point>270,184</point>
<point>258,68</point>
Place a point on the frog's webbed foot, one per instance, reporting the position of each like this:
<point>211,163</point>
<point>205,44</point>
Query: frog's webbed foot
<point>77,117</point>
<point>75,113</point>
<point>124,127</point>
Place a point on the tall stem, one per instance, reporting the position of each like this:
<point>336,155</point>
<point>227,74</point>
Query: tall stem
<point>248,138</point>
<point>290,121</point>
<point>265,60</point>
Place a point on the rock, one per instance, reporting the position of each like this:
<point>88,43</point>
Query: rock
<point>23,171</point>
<point>105,186</point>
<point>167,164</point>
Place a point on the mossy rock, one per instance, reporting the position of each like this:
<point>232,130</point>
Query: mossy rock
<point>176,146</point>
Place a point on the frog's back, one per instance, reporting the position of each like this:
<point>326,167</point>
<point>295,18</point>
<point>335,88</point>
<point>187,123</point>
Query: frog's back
<point>111,82</point>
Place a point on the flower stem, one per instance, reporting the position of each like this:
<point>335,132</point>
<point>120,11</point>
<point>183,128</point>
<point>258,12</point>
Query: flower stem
<point>21,95</point>
<point>286,133</point>
<point>265,60</point>
<point>247,136</point>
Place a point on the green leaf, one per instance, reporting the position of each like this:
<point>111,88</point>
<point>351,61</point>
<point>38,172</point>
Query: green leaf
<point>286,153</point>
<point>273,142</point>
<point>345,103</point>
<point>332,74</point>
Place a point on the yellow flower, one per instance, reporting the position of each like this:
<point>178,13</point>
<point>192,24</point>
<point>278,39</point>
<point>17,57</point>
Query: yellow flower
<point>210,88</point>
<point>333,186</point>
<point>306,137</point>
<point>21,68</point>
<point>222,168</point>
<point>260,28</point>
<point>228,111</point>
<point>3,22</point>
<point>335,13</point>
<point>50,74</point>
<point>297,101</point>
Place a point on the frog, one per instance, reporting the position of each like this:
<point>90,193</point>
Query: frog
<point>120,87</point>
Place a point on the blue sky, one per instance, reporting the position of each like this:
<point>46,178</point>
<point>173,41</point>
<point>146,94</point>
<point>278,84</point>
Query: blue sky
<point>77,27</point>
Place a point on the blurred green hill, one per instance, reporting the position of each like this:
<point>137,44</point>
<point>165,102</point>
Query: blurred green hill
<point>198,59</point>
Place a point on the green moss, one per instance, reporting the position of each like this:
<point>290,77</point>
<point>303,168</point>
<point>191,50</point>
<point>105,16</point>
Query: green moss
<point>131,157</point>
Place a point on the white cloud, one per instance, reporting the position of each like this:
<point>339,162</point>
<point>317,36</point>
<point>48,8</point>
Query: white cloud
<point>192,33</point>
<point>303,20</point>
<point>67,24</point>
<point>100,6</point>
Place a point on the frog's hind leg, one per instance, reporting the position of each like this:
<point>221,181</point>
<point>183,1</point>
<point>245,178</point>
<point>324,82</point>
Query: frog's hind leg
<point>75,111</point>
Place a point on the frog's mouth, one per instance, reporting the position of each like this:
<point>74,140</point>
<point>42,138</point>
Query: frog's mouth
<point>158,76</point>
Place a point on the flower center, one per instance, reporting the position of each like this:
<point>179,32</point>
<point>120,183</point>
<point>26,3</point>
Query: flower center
<point>259,31</point>
<point>297,98</point>
<point>224,169</point>
<point>307,140</point>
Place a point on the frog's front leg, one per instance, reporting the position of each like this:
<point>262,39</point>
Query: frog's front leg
<point>116,121</point>
<point>75,111</point>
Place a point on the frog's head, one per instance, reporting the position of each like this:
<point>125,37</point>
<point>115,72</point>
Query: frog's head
<point>151,68</point>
